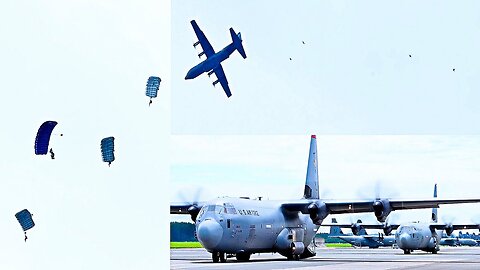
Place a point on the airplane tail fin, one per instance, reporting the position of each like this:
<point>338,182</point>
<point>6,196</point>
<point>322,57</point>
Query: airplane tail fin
<point>311,183</point>
<point>434,210</point>
<point>237,42</point>
<point>335,230</point>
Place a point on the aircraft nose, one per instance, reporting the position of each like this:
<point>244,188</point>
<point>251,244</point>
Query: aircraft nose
<point>404,240</point>
<point>209,233</point>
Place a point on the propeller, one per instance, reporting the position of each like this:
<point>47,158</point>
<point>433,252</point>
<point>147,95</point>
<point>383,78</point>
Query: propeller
<point>194,208</point>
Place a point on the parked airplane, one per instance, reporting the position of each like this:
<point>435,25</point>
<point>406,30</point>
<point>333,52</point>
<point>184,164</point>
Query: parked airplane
<point>240,227</point>
<point>213,62</point>
<point>360,238</point>
<point>426,236</point>
<point>457,241</point>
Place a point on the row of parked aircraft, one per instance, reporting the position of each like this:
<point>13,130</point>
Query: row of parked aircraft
<point>409,236</point>
<point>228,227</point>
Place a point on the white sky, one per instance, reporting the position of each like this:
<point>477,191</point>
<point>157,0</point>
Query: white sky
<point>353,75</point>
<point>85,64</point>
<point>349,168</point>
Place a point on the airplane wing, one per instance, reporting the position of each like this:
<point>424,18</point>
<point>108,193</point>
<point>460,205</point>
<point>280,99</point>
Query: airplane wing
<point>340,207</point>
<point>222,79</point>
<point>365,226</point>
<point>207,48</point>
<point>455,226</point>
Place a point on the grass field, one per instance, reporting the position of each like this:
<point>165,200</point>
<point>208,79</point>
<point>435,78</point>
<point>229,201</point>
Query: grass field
<point>338,245</point>
<point>185,245</point>
<point>197,245</point>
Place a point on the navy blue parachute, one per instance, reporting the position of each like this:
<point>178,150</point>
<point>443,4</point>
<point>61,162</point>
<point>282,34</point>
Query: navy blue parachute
<point>153,84</point>
<point>107,146</point>
<point>24,217</point>
<point>43,137</point>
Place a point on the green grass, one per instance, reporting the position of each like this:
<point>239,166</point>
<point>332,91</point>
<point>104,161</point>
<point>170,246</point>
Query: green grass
<point>338,245</point>
<point>185,245</point>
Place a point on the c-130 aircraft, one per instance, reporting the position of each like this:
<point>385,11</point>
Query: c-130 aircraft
<point>240,227</point>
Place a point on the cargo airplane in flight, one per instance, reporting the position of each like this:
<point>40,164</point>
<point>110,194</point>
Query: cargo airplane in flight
<point>228,227</point>
<point>213,62</point>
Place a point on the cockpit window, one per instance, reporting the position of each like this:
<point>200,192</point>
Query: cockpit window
<point>229,209</point>
<point>202,211</point>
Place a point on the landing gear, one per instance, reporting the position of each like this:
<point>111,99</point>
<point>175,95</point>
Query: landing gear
<point>218,256</point>
<point>243,257</point>
<point>434,251</point>
<point>293,257</point>
<point>406,251</point>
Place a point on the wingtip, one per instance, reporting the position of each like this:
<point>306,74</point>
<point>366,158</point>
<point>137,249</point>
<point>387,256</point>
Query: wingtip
<point>314,136</point>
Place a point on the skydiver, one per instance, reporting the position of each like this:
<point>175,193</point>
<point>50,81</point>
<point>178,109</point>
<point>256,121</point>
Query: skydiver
<point>109,163</point>
<point>150,103</point>
<point>52,155</point>
<point>303,42</point>
<point>453,70</point>
<point>290,59</point>
<point>409,55</point>
<point>26,236</point>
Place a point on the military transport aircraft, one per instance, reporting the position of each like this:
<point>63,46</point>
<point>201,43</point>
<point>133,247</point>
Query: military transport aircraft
<point>426,236</point>
<point>240,227</point>
<point>213,62</point>
<point>360,238</point>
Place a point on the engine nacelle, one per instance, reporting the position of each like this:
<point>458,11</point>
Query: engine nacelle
<point>318,212</point>
<point>196,44</point>
<point>200,54</point>
<point>387,230</point>
<point>449,229</point>
<point>193,211</point>
<point>356,228</point>
<point>210,73</point>
<point>382,209</point>
<point>215,82</point>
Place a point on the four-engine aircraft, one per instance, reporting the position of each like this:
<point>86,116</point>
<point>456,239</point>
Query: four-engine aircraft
<point>360,238</point>
<point>213,62</point>
<point>426,236</point>
<point>240,227</point>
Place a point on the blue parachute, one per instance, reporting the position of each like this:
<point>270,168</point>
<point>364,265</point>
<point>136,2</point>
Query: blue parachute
<point>153,84</point>
<point>24,217</point>
<point>107,147</point>
<point>43,137</point>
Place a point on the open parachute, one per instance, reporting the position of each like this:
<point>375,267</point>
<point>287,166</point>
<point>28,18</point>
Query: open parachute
<point>153,84</point>
<point>43,137</point>
<point>24,217</point>
<point>107,146</point>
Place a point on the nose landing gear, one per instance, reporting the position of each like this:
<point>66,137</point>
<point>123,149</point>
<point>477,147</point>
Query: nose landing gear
<point>218,256</point>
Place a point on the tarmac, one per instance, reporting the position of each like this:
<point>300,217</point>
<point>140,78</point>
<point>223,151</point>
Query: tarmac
<point>337,258</point>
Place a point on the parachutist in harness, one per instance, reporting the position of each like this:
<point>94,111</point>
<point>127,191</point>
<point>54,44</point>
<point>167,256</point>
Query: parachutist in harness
<point>109,163</point>
<point>150,103</point>
<point>52,154</point>
<point>26,237</point>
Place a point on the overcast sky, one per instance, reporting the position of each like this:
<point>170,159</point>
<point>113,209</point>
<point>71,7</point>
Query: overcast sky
<point>84,64</point>
<point>353,75</point>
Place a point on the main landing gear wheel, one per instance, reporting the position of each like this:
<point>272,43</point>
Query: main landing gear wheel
<point>243,257</point>
<point>222,257</point>
<point>406,251</point>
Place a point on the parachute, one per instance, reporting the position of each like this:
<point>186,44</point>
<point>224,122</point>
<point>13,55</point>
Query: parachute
<point>24,217</point>
<point>107,147</point>
<point>43,137</point>
<point>153,84</point>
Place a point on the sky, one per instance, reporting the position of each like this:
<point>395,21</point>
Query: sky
<point>85,65</point>
<point>353,75</point>
<point>349,166</point>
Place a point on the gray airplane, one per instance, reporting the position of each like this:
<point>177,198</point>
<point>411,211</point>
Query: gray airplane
<point>240,227</point>
<point>457,241</point>
<point>426,236</point>
<point>360,238</point>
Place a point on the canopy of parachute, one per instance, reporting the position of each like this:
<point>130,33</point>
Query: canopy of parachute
<point>24,217</point>
<point>43,137</point>
<point>153,84</point>
<point>107,146</point>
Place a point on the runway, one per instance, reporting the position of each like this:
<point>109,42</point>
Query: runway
<point>337,258</point>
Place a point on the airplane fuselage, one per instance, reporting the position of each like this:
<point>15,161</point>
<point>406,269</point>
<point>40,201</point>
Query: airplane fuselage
<point>232,226</point>
<point>211,62</point>
<point>417,236</point>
